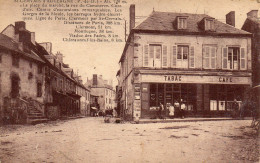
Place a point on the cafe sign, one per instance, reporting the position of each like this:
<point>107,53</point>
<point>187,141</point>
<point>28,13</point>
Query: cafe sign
<point>195,79</point>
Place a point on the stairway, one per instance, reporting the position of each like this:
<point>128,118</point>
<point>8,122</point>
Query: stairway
<point>34,116</point>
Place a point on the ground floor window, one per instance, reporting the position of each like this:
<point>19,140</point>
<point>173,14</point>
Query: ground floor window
<point>199,99</point>
<point>222,97</point>
<point>169,93</point>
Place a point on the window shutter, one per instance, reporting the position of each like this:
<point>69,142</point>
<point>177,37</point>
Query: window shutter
<point>192,57</point>
<point>205,53</point>
<point>174,55</point>
<point>213,57</point>
<point>145,56</point>
<point>179,23</point>
<point>242,59</point>
<point>224,58</point>
<point>151,56</point>
<point>164,56</point>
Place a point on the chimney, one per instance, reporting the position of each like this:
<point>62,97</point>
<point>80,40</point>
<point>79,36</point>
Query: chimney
<point>230,18</point>
<point>33,37</point>
<point>132,17</point>
<point>95,80</point>
<point>19,25</point>
<point>252,14</point>
<point>59,57</point>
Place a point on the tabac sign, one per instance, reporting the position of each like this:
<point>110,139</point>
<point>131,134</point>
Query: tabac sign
<point>195,79</point>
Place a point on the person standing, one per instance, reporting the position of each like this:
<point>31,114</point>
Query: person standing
<point>159,113</point>
<point>235,108</point>
<point>171,111</point>
<point>177,108</point>
<point>183,106</point>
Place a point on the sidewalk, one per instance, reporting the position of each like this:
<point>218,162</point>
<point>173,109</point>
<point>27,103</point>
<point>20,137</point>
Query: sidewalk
<point>189,120</point>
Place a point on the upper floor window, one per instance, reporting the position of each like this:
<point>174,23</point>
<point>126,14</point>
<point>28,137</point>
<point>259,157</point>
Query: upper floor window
<point>209,24</point>
<point>15,60</point>
<point>234,58</point>
<point>182,56</point>
<point>209,57</point>
<point>0,58</point>
<point>39,69</point>
<point>152,55</point>
<point>182,22</point>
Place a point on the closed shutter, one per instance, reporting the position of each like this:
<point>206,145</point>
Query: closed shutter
<point>151,56</point>
<point>242,59</point>
<point>213,57</point>
<point>174,55</point>
<point>164,56</point>
<point>224,58</point>
<point>205,53</point>
<point>145,56</point>
<point>192,57</point>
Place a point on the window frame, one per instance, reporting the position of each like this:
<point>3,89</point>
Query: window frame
<point>232,57</point>
<point>182,23</point>
<point>15,60</point>
<point>209,24</point>
<point>209,57</point>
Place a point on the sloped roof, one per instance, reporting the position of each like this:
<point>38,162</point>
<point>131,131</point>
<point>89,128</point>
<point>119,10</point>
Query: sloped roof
<point>255,20</point>
<point>10,44</point>
<point>100,83</point>
<point>164,21</point>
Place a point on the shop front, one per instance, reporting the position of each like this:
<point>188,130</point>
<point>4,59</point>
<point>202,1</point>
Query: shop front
<point>202,95</point>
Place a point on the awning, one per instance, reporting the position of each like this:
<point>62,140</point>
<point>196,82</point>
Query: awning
<point>94,108</point>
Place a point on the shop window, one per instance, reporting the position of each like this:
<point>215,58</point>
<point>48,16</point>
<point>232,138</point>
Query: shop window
<point>169,87</point>
<point>153,90</point>
<point>15,60</point>
<point>234,58</point>
<point>39,89</point>
<point>160,94</point>
<point>209,57</point>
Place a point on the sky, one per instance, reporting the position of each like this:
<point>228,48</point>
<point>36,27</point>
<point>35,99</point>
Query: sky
<point>102,58</point>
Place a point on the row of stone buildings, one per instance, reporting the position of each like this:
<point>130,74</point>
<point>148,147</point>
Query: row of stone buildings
<point>103,95</point>
<point>35,84</point>
<point>190,58</point>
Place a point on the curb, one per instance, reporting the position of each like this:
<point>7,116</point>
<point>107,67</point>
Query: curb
<point>186,120</point>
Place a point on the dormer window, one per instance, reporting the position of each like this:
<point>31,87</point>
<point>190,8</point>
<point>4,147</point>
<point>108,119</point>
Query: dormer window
<point>182,22</point>
<point>209,24</point>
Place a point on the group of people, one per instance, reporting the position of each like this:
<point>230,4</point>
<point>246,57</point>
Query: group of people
<point>177,109</point>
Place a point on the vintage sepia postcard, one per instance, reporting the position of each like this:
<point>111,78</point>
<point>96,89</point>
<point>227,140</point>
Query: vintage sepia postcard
<point>156,81</point>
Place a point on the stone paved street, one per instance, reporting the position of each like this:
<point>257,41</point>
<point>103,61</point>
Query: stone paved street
<point>92,140</point>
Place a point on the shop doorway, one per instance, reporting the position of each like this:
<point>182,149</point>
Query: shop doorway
<point>167,94</point>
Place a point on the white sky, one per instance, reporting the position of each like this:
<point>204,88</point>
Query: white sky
<point>105,56</point>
